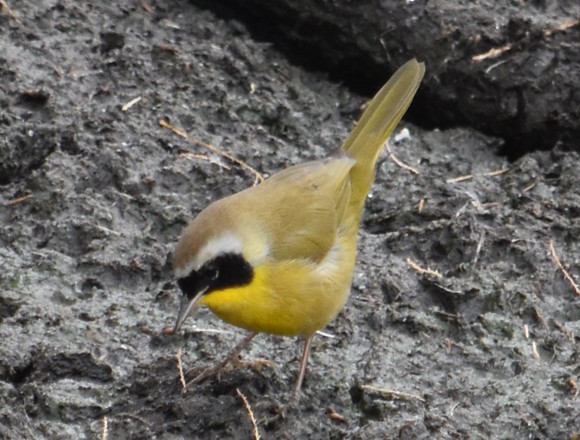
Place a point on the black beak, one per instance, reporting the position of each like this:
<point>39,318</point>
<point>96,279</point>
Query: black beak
<point>188,305</point>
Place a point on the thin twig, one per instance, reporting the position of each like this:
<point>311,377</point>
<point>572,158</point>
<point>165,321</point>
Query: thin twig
<point>250,414</point>
<point>147,6</point>
<point>104,428</point>
<point>495,172</point>
<point>9,11</point>
<point>325,334</point>
<point>195,329</point>
<point>422,270</point>
<point>564,271</point>
<point>471,176</point>
<point>258,177</point>
<point>566,24</point>
<point>421,205</point>
<point>492,53</point>
<point>131,103</point>
<point>399,162</point>
<point>535,350</point>
<point>136,417</point>
<point>217,162</point>
<point>180,371</point>
<point>478,248</point>
<point>18,200</point>
<point>389,394</point>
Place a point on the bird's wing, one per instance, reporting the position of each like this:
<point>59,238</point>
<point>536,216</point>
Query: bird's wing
<point>306,204</point>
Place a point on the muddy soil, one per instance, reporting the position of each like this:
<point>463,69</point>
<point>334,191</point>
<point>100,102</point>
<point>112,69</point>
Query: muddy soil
<point>460,323</point>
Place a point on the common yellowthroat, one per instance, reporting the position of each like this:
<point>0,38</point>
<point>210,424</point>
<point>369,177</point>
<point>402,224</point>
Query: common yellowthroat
<point>279,257</point>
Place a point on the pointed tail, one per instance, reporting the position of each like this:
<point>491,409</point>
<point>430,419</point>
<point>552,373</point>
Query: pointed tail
<point>376,124</point>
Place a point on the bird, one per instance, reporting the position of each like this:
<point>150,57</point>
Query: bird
<point>279,257</point>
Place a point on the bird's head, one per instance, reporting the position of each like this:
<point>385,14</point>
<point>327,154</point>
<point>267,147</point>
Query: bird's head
<point>209,257</point>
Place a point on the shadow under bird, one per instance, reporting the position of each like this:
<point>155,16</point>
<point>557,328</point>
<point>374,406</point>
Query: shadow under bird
<point>279,257</point>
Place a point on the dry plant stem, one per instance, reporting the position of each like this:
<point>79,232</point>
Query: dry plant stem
<point>135,417</point>
<point>497,51</point>
<point>9,11</point>
<point>399,162</point>
<point>104,429</point>
<point>535,352</point>
<point>471,176</point>
<point>19,200</point>
<point>258,177</point>
<point>492,53</point>
<point>567,276</point>
<point>386,393</point>
<point>130,104</point>
<point>250,414</point>
<point>206,158</point>
<point>423,271</point>
<point>232,357</point>
<point>421,206</point>
<point>180,371</point>
<point>147,6</point>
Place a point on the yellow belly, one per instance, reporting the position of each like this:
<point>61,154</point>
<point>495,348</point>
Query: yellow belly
<point>290,298</point>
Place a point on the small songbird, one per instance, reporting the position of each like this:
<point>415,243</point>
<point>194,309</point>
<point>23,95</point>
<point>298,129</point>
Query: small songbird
<point>279,257</point>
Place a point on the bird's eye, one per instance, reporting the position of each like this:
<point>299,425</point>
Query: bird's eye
<point>214,274</point>
<point>211,271</point>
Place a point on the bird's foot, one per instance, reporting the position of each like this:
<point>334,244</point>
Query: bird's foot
<point>280,411</point>
<point>254,364</point>
<point>195,376</point>
<point>233,358</point>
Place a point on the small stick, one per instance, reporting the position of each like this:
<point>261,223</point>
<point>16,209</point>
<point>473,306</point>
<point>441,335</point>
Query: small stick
<point>386,393</point>
<point>540,318</point>
<point>207,158</point>
<point>567,276</point>
<point>104,428</point>
<point>530,186</point>
<point>136,417</point>
<point>177,131</point>
<point>460,178</point>
<point>18,200</point>
<point>421,205</point>
<point>492,53</point>
<point>180,371</point>
<point>495,173</point>
<point>471,176</point>
<point>9,11</point>
<point>421,270</point>
<point>131,103</point>
<point>147,6</point>
<point>560,327</point>
<point>452,409</point>
<point>325,334</point>
<point>195,329</point>
<point>535,350</point>
<point>250,414</point>
<point>399,162</point>
<point>478,248</point>
<point>566,24</point>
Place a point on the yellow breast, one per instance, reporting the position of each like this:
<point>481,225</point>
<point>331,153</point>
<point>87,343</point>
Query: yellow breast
<point>290,298</point>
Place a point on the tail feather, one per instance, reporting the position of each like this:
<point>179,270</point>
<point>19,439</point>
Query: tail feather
<point>376,124</point>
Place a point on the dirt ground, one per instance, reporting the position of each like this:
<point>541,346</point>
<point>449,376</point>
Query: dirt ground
<point>460,325</point>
